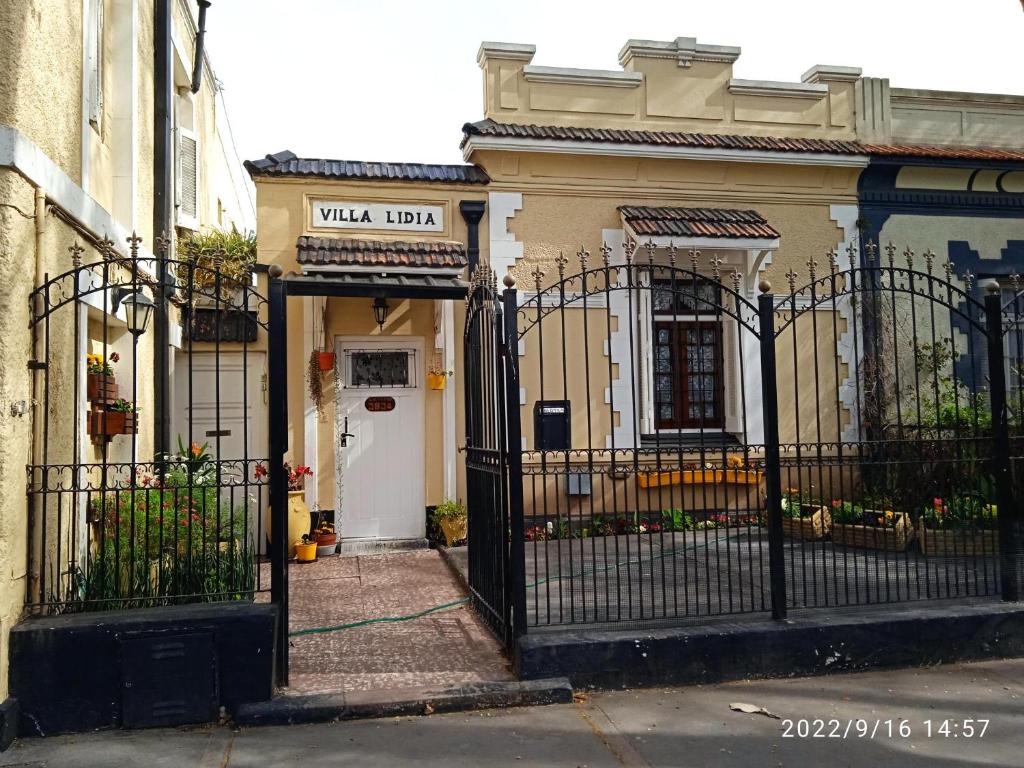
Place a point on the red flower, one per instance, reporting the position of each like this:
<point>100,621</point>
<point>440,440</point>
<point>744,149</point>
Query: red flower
<point>260,471</point>
<point>114,357</point>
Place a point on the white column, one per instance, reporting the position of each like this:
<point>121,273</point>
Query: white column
<point>311,310</point>
<point>448,402</point>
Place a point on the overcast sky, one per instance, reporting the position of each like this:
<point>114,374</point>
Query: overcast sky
<point>395,80</point>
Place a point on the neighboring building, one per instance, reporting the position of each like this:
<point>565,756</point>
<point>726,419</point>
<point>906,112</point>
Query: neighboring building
<point>672,150</point>
<point>77,145</point>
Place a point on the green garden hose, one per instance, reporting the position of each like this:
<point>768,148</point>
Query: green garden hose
<point>464,600</point>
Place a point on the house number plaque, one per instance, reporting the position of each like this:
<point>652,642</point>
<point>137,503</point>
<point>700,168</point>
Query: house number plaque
<point>380,404</point>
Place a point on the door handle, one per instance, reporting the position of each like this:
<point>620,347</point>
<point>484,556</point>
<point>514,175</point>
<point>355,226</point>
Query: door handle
<point>345,435</point>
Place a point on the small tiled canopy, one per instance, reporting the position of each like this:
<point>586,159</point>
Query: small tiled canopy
<point>343,252</point>
<point>696,222</point>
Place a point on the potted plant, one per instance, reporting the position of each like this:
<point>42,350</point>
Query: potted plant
<point>804,518</point>
<point>962,526</point>
<point>314,382</point>
<point>450,516</point>
<point>299,521</point>
<point>305,548</point>
<point>99,379</point>
<point>854,525</point>
<point>119,418</point>
<point>437,376</point>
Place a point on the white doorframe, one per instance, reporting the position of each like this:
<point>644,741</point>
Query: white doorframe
<point>415,431</point>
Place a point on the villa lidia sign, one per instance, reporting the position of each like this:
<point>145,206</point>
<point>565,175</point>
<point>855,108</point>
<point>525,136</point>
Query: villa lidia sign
<point>341,214</point>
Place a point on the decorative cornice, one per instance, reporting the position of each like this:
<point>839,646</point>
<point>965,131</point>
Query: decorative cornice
<point>776,88</point>
<point>505,51</point>
<point>565,75</point>
<point>685,50</point>
<point>820,73</point>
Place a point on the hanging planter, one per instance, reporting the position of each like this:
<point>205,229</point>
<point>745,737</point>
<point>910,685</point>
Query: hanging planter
<point>103,426</point>
<point>101,387</point>
<point>325,361</point>
<point>436,378</point>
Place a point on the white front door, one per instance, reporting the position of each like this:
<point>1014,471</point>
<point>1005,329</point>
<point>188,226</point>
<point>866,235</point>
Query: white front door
<point>380,461</point>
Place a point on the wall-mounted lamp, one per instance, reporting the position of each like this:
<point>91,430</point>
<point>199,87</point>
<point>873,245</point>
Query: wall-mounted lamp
<point>138,308</point>
<point>380,311</point>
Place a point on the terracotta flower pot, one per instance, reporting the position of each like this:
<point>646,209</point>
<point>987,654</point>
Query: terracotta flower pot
<point>325,539</point>
<point>325,361</point>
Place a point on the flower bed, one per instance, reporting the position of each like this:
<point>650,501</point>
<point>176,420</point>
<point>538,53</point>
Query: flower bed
<point>803,518</point>
<point>667,521</point>
<point>855,526</point>
<point>964,526</point>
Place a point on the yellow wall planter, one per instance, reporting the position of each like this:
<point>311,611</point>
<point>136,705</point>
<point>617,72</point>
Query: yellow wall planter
<point>699,477</point>
<point>436,381</point>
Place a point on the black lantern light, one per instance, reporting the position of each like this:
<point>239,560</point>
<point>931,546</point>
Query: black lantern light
<point>138,309</point>
<point>380,311</point>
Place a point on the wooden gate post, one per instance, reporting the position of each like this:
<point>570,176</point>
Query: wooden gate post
<point>773,466</point>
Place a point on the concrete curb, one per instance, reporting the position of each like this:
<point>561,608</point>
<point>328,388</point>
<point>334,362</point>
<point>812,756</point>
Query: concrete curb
<point>458,565</point>
<point>402,702</point>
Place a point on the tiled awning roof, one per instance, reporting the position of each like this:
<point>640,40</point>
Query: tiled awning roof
<point>287,164</point>
<point>342,251</point>
<point>696,222</point>
<point>722,141</point>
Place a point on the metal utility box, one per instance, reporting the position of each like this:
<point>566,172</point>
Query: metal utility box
<point>551,425</point>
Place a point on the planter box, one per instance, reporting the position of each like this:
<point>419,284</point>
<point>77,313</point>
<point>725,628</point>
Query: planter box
<point>700,477</point>
<point>100,387</point>
<point>953,543</point>
<point>813,524</point>
<point>894,538</point>
<point>103,425</point>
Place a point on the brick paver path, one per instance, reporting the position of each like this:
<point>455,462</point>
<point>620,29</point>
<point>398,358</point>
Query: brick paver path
<point>444,648</point>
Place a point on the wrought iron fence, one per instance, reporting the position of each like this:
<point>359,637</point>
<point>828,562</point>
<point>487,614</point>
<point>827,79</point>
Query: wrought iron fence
<point>116,522</point>
<point>695,451</point>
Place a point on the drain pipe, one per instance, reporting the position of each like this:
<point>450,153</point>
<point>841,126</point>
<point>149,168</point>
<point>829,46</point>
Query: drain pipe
<point>197,64</point>
<point>163,219</point>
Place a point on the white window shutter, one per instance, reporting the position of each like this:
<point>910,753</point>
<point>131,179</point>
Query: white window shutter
<point>188,179</point>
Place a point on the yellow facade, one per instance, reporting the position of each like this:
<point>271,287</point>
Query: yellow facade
<point>76,165</point>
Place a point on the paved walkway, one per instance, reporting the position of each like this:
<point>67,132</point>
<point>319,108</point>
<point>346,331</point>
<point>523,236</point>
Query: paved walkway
<point>445,648</point>
<point>683,727</point>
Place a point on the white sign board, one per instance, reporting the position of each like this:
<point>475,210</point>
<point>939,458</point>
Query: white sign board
<point>341,214</point>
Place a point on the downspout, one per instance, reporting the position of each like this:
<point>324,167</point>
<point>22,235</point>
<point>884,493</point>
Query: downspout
<point>35,542</point>
<point>197,64</point>
<point>163,219</point>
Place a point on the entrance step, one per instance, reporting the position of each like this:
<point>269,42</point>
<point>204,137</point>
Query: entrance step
<point>403,702</point>
<point>375,546</point>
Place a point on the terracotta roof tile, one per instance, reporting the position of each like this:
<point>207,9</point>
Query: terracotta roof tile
<point>696,222</point>
<point>287,164</point>
<point>343,251</point>
<point>722,141</point>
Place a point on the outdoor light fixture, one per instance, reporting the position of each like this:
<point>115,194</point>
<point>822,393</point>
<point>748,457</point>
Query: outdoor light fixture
<point>380,311</point>
<point>138,309</point>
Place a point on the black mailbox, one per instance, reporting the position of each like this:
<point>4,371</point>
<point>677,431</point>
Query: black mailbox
<point>551,425</point>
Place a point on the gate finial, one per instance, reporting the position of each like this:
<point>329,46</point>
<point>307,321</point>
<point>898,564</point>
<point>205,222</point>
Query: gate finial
<point>812,264</point>
<point>716,268</point>
<point>890,252</point>
<point>561,261</point>
<point>508,280</point>
<point>76,254</point>
<point>651,248</point>
<point>629,248</point>
<point>870,249</point>
<point>833,259</point>
<point>948,269</point>
<point>737,278</point>
<point>968,280</point>
<point>694,258</point>
<point>606,253</point>
<point>133,244</point>
<point>908,254</point>
<point>538,277</point>
<point>672,253</point>
<point>929,259</point>
<point>584,256</point>
<point>107,248</point>
<point>791,277</point>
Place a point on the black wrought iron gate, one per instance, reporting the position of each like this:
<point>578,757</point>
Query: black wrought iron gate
<point>493,457</point>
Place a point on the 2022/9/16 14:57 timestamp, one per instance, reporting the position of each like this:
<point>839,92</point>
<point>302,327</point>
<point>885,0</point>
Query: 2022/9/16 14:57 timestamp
<point>892,728</point>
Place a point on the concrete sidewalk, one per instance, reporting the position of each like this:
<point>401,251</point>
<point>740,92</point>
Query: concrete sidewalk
<point>692,726</point>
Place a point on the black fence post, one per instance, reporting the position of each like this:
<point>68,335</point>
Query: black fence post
<point>1008,510</point>
<point>514,451</point>
<point>277,386</point>
<point>773,466</point>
